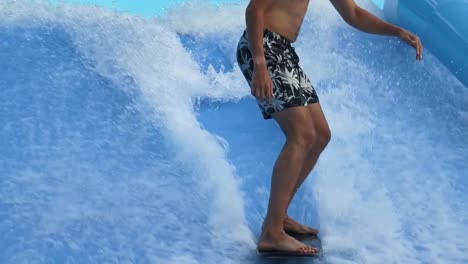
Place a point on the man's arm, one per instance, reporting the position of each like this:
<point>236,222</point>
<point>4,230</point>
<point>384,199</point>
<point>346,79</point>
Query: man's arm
<point>254,15</point>
<point>262,86</point>
<point>365,21</point>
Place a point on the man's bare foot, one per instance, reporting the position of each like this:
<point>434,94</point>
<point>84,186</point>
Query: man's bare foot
<point>282,242</point>
<point>293,227</point>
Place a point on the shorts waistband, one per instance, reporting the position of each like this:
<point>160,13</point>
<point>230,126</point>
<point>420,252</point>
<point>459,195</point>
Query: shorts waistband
<point>273,35</point>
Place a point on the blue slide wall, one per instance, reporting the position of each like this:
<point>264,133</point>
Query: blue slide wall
<point>442,25</point>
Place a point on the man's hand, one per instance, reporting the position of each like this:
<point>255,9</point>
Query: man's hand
<point>365,21</point>
<point>262,86</point>
<point>413,41</point>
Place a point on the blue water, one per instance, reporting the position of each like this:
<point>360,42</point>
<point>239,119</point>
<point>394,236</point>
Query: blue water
<point>132,140</point>
<point>379,3</point>
<point>146,8</point>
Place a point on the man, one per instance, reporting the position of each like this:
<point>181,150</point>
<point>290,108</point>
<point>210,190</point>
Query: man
<point>284,93</point>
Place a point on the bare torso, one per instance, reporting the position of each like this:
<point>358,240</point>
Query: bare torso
<point>285,17</point>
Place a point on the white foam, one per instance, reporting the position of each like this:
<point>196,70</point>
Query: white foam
<point>120,45</point>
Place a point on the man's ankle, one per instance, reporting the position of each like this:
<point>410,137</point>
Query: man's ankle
<point>273,231</point>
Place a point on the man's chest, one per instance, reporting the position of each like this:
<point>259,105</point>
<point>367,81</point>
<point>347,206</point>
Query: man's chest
<point>296,8</point>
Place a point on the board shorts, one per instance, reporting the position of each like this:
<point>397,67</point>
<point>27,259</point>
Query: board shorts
<point>291,86</point>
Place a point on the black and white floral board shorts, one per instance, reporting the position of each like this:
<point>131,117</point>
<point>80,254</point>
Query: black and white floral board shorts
<point>291,86</point>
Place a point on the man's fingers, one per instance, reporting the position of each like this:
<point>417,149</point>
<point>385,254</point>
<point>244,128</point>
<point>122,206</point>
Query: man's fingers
<point>419,49</point>
<point>416,47</point>
<point>262,91</point>
<point>270,90</point>
<point>419,52</point>
<point>265,94</point>
<point>258,94</point>
<point>416,43</point>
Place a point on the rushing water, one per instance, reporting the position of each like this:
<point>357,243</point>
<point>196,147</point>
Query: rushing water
<point>132,140</point>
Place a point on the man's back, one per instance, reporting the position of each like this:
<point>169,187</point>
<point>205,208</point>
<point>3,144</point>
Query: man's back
<point>285,17</point>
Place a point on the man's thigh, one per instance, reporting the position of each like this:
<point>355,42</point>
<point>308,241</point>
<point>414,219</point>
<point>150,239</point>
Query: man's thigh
<point>294,120</point>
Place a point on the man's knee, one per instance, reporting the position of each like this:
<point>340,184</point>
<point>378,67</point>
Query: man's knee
<point>305,139</point>
<point>323,138</point>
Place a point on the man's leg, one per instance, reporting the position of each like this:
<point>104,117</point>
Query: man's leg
<point>323,136</point>
<point>300,137</point>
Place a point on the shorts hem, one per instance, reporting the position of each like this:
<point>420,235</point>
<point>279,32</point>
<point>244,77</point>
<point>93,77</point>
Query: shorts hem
<point>267,116</point>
